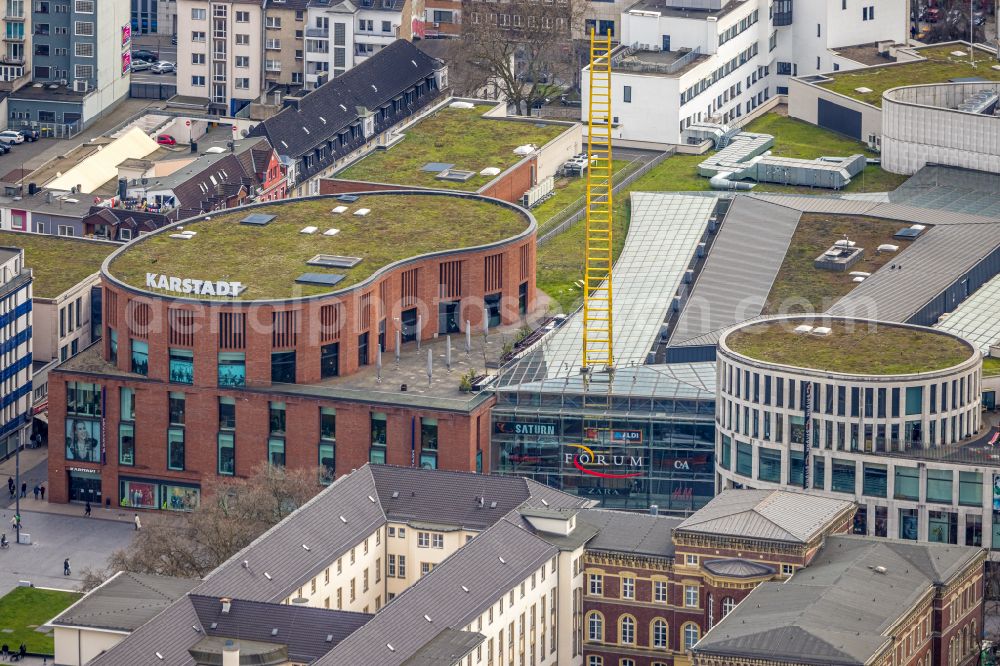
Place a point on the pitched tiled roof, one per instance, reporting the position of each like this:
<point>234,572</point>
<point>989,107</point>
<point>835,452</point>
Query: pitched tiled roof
<point>125,602</point>
<point>765,514</point>
<point>332,107</point>
<point>837,610</point>
<point>631,532</point>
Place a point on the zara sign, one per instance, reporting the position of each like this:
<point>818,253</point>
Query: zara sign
<point>192,286</point>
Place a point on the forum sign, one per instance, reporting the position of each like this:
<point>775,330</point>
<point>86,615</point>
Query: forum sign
<point>193,286</point>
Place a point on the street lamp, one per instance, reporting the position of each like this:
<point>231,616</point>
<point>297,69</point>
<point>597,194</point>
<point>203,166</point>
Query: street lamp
<point>17,476</point>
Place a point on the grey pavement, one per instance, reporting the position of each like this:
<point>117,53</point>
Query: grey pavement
<point>86,541</point>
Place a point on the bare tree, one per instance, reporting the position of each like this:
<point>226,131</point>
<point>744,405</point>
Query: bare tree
<point>524,47</point>
<point>233,513</point>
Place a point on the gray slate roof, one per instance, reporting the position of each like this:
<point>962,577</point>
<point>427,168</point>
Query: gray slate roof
<point>477,566</point>
<point>631,532</point>
<point>777,515</point>
<point>740,268</point>
<point>738,568</point>
<point>125,602</point>
<point>837,610</point>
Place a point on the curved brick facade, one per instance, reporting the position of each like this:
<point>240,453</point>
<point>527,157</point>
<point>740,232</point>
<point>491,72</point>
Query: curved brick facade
<point>184,341</point>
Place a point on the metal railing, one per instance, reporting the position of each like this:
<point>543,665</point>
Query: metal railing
<point>574,212</point>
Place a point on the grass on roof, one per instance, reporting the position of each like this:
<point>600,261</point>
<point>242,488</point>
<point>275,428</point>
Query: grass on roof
<point>24,609</point>
<point>800,287</point>
<point>268,259</point>
<point>57,262</point>
<point>852,347</point>
<point>560,260</point>
<point>991,366</point>
<point>454,136</point>
<point>939,67</point>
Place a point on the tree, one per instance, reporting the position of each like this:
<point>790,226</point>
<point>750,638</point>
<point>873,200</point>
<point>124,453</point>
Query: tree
<point>233,513</point>
<point>524,47</point>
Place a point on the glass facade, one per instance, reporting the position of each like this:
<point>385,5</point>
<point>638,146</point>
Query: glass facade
<point>644,450</point>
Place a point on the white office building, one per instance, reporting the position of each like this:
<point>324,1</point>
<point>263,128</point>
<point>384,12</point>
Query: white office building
<point>688,61</point>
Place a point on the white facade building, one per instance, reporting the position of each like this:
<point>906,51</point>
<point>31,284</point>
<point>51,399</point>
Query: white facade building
<point>909,448</point>
<point>678,65</point>
<point>15,350</point>
<point>220,52</point>
<point>342,34</point>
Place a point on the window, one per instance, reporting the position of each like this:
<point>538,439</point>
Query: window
<point>84,6</point>
<point>84,49</point>
<point>283,367</point>
<point>592,660</point>
<point>391,565</point>
<point>181,366</point>
<point>627,630</point>
<point>198,36</point>
<point>842,480</point>
<point>83,29</point>
<point>363,349</point>
<point>243,62</point>
<point>378,438</point>
<point>329,360</point>
<point>243,17</point>
<point>627,94</point>
<point>423,540</point>
<point>242,39</point>
<point>787,569</point>
<point>126,443</point>
<point>276,451</point>
<point>198,81</point>
<point>628,587</point>
<point>402,567</point>
<point>596,587</point>
<point>939,485</point>
<point>658,640</point>
<point>232,369</point>
<point>744,459</point>
<point>874,480</point>
<point>595,627</point>
<point>227,453</point>
<point>691,635</point>
<point>691,560</point>
<point>140,357</point>
<point>728,604</point>
<point>769,464</point>
<point>437,541</point>
<point>428,443</point>
<point>907,485</point>
<point>970,488</point>
<point>691,596</point>
<point>175,449</point>
<point>243,84</point>
<point>386,26</point>
<point>425,568</point>
<point>660,591</point>
<point>175,408</point>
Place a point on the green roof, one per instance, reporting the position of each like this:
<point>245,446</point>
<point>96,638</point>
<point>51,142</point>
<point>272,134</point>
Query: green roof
<point>852,347</point>
<point>57,262</point>
<point>939,67</point>
<point>462,137</point>
<point>268,259</point>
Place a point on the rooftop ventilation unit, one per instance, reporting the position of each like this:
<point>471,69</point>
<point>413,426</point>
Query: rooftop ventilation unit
<point>456,175</point>
<point>362,212</point>
<point>309,230</point>
<point>822,330</point>
<point>334,261</point>
<point>257,220</point>
<point>321,279</point>
<point>331,232</point>
<point>348,198</point>
<point>888,247</point>
<point>803,328</point>
<point>339,209</point>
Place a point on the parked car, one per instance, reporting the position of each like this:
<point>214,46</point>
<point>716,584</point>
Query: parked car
<point>140,65</point>
<point>566,101</point>
<point>166,140</point>
<point>162,67</point>
<point>29,134</point>
<point>11,136</point>
<point>4,148</point>
<point>145,56</point>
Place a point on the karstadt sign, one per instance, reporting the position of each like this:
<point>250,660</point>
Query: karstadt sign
<point>193,286</point>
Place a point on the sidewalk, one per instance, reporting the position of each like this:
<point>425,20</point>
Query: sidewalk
<point>115,513</point>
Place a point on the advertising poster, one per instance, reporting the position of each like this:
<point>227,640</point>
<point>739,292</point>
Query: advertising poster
<point>83,440</point>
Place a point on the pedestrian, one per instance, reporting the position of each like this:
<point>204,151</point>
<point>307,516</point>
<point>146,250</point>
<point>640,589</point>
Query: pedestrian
<point>36,492</point>
<point>4,650</point>
<point>86,510</point>
<point>22,651</point>
<point>66,567</point>
<point>13,522</point>
<point>10,486</point>
<point>24,489</point>
<point>138,523</point>
<point>42,488</point>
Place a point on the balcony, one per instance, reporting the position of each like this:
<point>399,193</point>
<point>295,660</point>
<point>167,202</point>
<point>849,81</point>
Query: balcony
<point>14,17</point>
<point>12,60</point>
<point>15,39</point>
<point>318,33</point>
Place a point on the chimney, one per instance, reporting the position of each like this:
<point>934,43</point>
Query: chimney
<point>231,654</point>
<point>226,604</point>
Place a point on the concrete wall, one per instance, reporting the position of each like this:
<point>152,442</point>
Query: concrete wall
<point>917,130</point>
<point>76,647</point>
<point>803,103</point>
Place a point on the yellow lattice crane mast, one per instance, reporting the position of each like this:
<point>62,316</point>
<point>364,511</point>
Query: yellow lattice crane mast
<point>597,331</point>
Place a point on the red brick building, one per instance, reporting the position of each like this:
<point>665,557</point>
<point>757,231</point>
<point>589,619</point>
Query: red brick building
<point>765,578</point>
<point>257,340</point>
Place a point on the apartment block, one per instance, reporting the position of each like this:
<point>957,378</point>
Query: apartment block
<point>15,349</point>
<point>79,63</point>
<point>220,52</point>
<point>284,42</point>
<point>15,67</point>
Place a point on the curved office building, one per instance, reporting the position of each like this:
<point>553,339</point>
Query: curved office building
<point>891,413</point>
